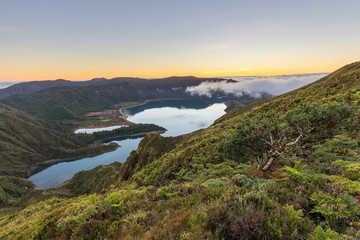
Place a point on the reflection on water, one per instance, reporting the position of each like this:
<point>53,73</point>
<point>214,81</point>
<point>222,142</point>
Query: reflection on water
<point>92,130</point>
<point>61,172</point>
<point>177,116</point>
<point>180,120</point>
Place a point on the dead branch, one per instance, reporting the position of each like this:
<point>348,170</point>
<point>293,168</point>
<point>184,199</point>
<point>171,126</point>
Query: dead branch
<point>268,164</point>
<point>296,141</point>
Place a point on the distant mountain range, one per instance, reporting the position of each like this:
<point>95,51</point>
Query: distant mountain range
<point>61,99</point>
<point>290,82</point>
<point>282,168</point>
<point>29,87</point>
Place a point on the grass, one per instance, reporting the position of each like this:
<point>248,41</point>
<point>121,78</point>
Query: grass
<point>187,188</point>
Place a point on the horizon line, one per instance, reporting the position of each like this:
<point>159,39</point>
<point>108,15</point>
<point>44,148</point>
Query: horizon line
<point>150,78</point>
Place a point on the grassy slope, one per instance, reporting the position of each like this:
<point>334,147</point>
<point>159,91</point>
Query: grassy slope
<point>57,103</point>
<point>100,178</point>
<point>193,192</point>
<point>26,142</point>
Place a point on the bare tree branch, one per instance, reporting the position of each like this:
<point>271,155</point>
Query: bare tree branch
<point>296,141</point>
<point>268,164</point>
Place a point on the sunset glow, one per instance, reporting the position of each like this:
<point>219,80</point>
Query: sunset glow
<point>80,40</point>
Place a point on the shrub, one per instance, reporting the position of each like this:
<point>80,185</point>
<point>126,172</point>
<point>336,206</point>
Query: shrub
<point>320,234</point>
<point>287,223</point>
<point>317,114</point>
<point>216,182</point>
<point>246,141</point>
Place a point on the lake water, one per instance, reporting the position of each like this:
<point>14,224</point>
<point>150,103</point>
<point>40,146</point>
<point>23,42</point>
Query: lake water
<point>177,116</point>
<point>92,130</point>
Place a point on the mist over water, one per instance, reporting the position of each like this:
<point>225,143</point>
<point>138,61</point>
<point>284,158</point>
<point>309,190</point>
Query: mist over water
<point>256,86</point>
<point>177,116</point>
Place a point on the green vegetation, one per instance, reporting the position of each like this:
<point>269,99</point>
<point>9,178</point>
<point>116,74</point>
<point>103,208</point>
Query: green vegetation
<point>12,188</point>
<point>57,103</point>
<point>27,142</point>
<point>284,168</point>
<point>96,180</point>
<point>68,103</point>
<point>133,129</point>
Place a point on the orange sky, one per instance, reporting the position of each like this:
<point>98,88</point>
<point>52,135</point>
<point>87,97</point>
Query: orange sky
<point>73,41</point>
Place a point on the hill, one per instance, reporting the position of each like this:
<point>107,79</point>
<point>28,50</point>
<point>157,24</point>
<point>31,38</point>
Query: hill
<point>71,102</point>
<point>36,86</point>
<point>283,168</point>
<point>26,142</point>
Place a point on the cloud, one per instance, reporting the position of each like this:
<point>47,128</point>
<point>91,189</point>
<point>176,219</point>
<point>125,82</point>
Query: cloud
<point>9,29</point>
<point>222,45</point>
<point>7,84</point>
<point>255,86</point>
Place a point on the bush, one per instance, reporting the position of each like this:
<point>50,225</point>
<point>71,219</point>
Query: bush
<point>315,114</point>
<point>320,234</point>
<point>287,223</point>
<point>246,141</point>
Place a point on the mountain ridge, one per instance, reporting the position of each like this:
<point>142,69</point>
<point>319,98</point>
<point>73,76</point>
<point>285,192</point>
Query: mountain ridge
<point>283,168</point>
<point>29,87</point>
<point>71,102</point>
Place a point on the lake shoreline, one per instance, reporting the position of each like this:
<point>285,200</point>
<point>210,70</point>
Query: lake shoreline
<point>121,110</point>
<point>128,135</point>
<point>104,126</point>
<point>200,114</point>
<point>59,160</point>
<point>123,115</point>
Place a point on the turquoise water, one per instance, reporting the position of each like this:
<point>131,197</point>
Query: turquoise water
<point>177,116</point>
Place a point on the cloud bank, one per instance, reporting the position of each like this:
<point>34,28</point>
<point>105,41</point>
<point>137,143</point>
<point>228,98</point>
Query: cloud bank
<point>7,84</point>
<point>255,86</point>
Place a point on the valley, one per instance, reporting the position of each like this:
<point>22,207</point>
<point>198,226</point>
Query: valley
<point>284,167</point>
<point>88,149</point>
<point>177,116</point>
<point>179,120</point>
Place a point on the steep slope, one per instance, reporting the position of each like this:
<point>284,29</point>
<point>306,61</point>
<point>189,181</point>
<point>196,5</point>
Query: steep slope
<point>100,178</point>
<point>26,141</point>
<point>283,168</point>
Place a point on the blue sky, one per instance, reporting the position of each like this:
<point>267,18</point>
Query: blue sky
<point>81,39</point>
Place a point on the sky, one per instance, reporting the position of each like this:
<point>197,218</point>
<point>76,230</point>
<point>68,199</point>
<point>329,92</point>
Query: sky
<point>85,39</point>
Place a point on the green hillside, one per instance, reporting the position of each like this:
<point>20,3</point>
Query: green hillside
<point>26,142</point>
<point>284,168</point>
<point>57,103</point>
<point>71,102</point>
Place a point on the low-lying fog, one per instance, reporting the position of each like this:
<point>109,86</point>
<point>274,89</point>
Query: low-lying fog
<point>7,84</point>
<point>256,86</point>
